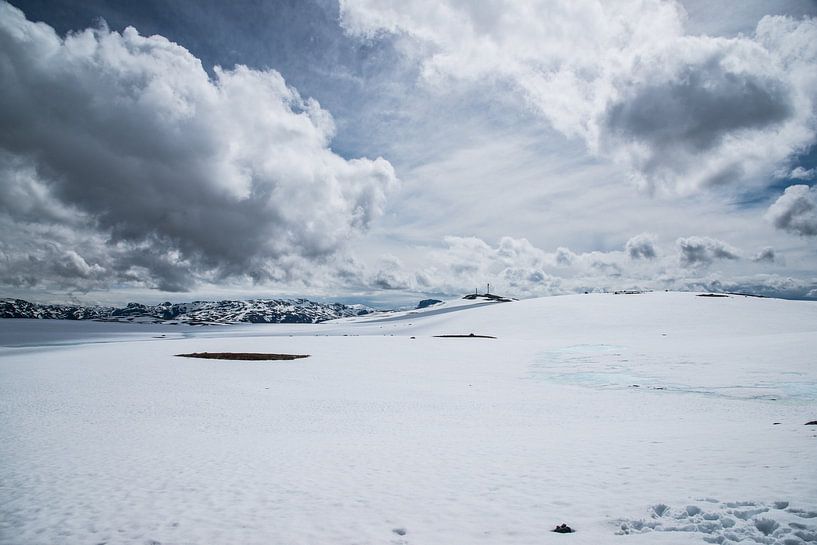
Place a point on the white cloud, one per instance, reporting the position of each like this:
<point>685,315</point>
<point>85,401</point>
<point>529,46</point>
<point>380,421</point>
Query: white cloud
<point>391,275</point>
<point>800,173</point>
<point>517,268</point>
<point>181,176</point>
<point>681,112</point>
<point>795,211</point>
<point>513,266</point>
<point>796,173</point>
<point>564,257</point>
<point>235,173</point>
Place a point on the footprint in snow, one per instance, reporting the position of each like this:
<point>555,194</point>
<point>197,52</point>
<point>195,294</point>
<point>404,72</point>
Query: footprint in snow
<point>728,523</point>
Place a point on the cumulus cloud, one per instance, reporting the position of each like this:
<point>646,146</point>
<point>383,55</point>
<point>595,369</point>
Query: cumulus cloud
<point>681,112</point>
<point>795,211</point>
<point>517,268</point>
<point>641,246</point>
<point>391,275</point>
<point>564,257</point>
<point>512,266</point>
<point>703,251</point>
<point>127,141</point>
<point>33,252</point>
<point>765,255</point>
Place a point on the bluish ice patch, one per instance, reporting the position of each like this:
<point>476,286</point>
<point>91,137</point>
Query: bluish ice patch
<point>600,380</point>
<point>584,349</point>
<point>590,365</point>
<point>746,392</point>
<point>805,391</point>
<point>612,367</point>
<point>794,391</point>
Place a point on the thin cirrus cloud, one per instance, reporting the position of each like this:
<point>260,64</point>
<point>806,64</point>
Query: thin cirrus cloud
<point>680,112</point>
<point>125,140</point>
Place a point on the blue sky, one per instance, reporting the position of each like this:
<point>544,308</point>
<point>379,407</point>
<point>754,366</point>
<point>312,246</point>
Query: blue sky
<point>533,145</point>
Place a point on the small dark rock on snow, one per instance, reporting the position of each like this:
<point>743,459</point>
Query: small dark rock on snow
<point>812,423</point>
<point>563,529</point>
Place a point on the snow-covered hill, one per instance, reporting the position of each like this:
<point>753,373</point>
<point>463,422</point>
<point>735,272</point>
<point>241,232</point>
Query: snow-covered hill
<point>265,311</point>
<point>197,312</point>
<point>654,418</point>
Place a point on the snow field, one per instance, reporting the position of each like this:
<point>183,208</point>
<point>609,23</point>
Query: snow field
<point>381,438</point>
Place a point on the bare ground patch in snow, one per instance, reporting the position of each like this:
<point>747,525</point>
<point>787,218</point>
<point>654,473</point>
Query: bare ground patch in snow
<point>242,356</point>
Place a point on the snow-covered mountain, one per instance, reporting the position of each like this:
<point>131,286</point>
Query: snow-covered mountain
<point>198,312</point>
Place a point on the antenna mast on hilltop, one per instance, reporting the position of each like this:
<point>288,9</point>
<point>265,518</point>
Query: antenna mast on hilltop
<point>489,289</point>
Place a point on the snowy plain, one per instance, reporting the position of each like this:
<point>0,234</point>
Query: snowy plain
<point>650,418</point>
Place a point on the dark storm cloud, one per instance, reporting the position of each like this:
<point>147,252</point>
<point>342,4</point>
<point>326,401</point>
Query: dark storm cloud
<point>700,105</point>
<point>183,174</point>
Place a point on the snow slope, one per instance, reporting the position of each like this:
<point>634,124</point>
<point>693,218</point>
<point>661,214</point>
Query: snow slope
<point>387,434</point>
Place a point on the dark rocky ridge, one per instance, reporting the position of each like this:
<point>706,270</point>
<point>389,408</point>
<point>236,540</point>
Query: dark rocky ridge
<point>293,311</point>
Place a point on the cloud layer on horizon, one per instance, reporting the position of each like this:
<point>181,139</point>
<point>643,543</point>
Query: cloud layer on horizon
<point>124,162</point>
<point>517,268</point>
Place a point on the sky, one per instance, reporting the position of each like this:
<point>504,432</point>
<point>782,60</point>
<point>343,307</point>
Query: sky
<point>385,151</point>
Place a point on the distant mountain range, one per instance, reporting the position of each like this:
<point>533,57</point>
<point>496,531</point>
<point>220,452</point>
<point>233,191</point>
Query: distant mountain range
<point>289,311</point>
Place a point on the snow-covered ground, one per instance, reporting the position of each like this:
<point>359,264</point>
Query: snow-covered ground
<point>636,419</point>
